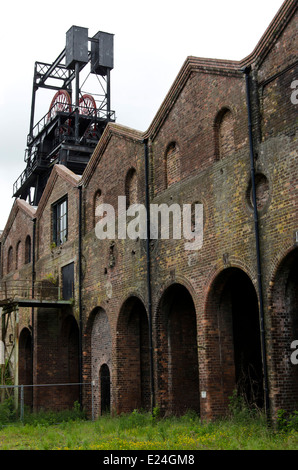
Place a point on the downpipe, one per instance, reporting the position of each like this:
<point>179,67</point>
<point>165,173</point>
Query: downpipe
<point>246,71</point>
<point>148,261</point>
<point>80,295</point>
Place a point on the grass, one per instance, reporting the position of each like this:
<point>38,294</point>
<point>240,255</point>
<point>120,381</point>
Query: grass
<point>141,431</point>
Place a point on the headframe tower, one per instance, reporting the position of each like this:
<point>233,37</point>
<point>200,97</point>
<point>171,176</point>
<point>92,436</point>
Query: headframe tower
<point>69,131</point>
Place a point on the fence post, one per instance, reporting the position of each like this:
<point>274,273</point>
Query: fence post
<point>22,404</point>
<point>16,357</point>
<point>92,404</point>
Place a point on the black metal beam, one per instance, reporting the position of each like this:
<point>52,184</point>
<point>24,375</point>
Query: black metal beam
<point>52,67</point>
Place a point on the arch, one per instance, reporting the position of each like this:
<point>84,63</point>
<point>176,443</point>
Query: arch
<point>26,365</point>
<point>9,259</point>
<point>283,303</point>
<point>131,187</point>
<point>28,249</point>
<point>234,340</point>
<point>97,200</point>
<point>105,389</point>
<point>101,353</point>
<point>18,254</point>
<point>172,164</point>
<point>133,362</point>
<point>224,133</point>
<point>177,367</point>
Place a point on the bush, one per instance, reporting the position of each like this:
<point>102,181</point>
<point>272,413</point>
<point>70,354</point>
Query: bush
<point>54,417</point>
<point>287,421</point>
<point>7,412</point>
<point>239,409</point>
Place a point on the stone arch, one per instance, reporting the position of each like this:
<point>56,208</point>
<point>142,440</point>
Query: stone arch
<point>283,304</point>
<point>132,352</point>
<point>233,342</point>
<point>177,362</point>
<point>224,133</point>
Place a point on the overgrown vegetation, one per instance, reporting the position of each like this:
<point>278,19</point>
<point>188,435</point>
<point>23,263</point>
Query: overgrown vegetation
<point>243,429</point>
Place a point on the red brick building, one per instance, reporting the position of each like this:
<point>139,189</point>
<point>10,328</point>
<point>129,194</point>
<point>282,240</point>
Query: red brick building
<point>155,324</point>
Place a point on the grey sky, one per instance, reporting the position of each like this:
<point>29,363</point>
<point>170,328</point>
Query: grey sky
<point>152,40</point>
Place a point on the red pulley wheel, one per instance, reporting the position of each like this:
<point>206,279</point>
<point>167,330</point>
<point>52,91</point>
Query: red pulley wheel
<point>60,103</point>
<point>87,105</point>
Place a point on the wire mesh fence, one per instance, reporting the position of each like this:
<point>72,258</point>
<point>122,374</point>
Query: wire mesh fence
<point>60,401</point>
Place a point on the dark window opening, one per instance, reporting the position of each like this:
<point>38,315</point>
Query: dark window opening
<point>28,249</point>
<point>105,390</point>
<point>60,225</point>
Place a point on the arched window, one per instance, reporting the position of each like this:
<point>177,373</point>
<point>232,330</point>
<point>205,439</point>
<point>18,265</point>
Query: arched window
<point>18,254</point>
<point>172,164</point>
<point>131,187</point>
<point>224,133</point>
<point>28,249</point>
<point>98,199</point>
<point>9,259</point>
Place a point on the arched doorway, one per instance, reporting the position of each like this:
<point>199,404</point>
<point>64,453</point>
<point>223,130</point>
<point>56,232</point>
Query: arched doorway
<point>178,368</point>
<point>235,346</point>
<point>133,365</point>
<point>105,389</point>
<point>284,330</point>
<point>101,360</point>
<point>26,365</point>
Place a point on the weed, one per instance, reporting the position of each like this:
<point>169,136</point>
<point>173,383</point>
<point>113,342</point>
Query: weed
<point>287,421</point>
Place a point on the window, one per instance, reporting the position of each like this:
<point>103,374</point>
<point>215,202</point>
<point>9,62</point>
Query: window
<point>28,249</point>
<point>224,133</point>
<point>18,254</point>
<point>60,222</point>
<point>98,200</point>
<point>172,161</point>
<point>9,259</point>
<point>131,187</point>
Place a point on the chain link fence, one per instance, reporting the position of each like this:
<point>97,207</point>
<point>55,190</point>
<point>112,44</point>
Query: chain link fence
<point>60,401</point>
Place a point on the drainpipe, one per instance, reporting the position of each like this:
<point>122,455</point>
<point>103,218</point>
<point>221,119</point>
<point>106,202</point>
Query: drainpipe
<point>80,292</point>
<point>33,285</point>
<point>149,272</point>
<point>257,239</point>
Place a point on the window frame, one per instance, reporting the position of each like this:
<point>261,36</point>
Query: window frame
<point>57,221</point>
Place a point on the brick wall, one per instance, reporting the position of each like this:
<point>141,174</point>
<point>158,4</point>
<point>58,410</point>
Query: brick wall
<point>198,152</point>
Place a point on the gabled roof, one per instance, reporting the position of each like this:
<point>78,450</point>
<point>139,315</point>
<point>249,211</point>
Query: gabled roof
<point>197,65</point>
<point>111,129</point>
<point>224,67</point>
<point>191,65</point>
<point>57,171</point>
<point>18,205</point>
<point>271,35</point>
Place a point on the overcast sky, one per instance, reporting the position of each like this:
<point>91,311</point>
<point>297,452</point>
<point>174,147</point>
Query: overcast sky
<point>152,40</point>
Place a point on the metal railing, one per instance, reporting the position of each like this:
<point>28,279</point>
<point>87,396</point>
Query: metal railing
<point>67,113</point>
<point>22,289</point>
